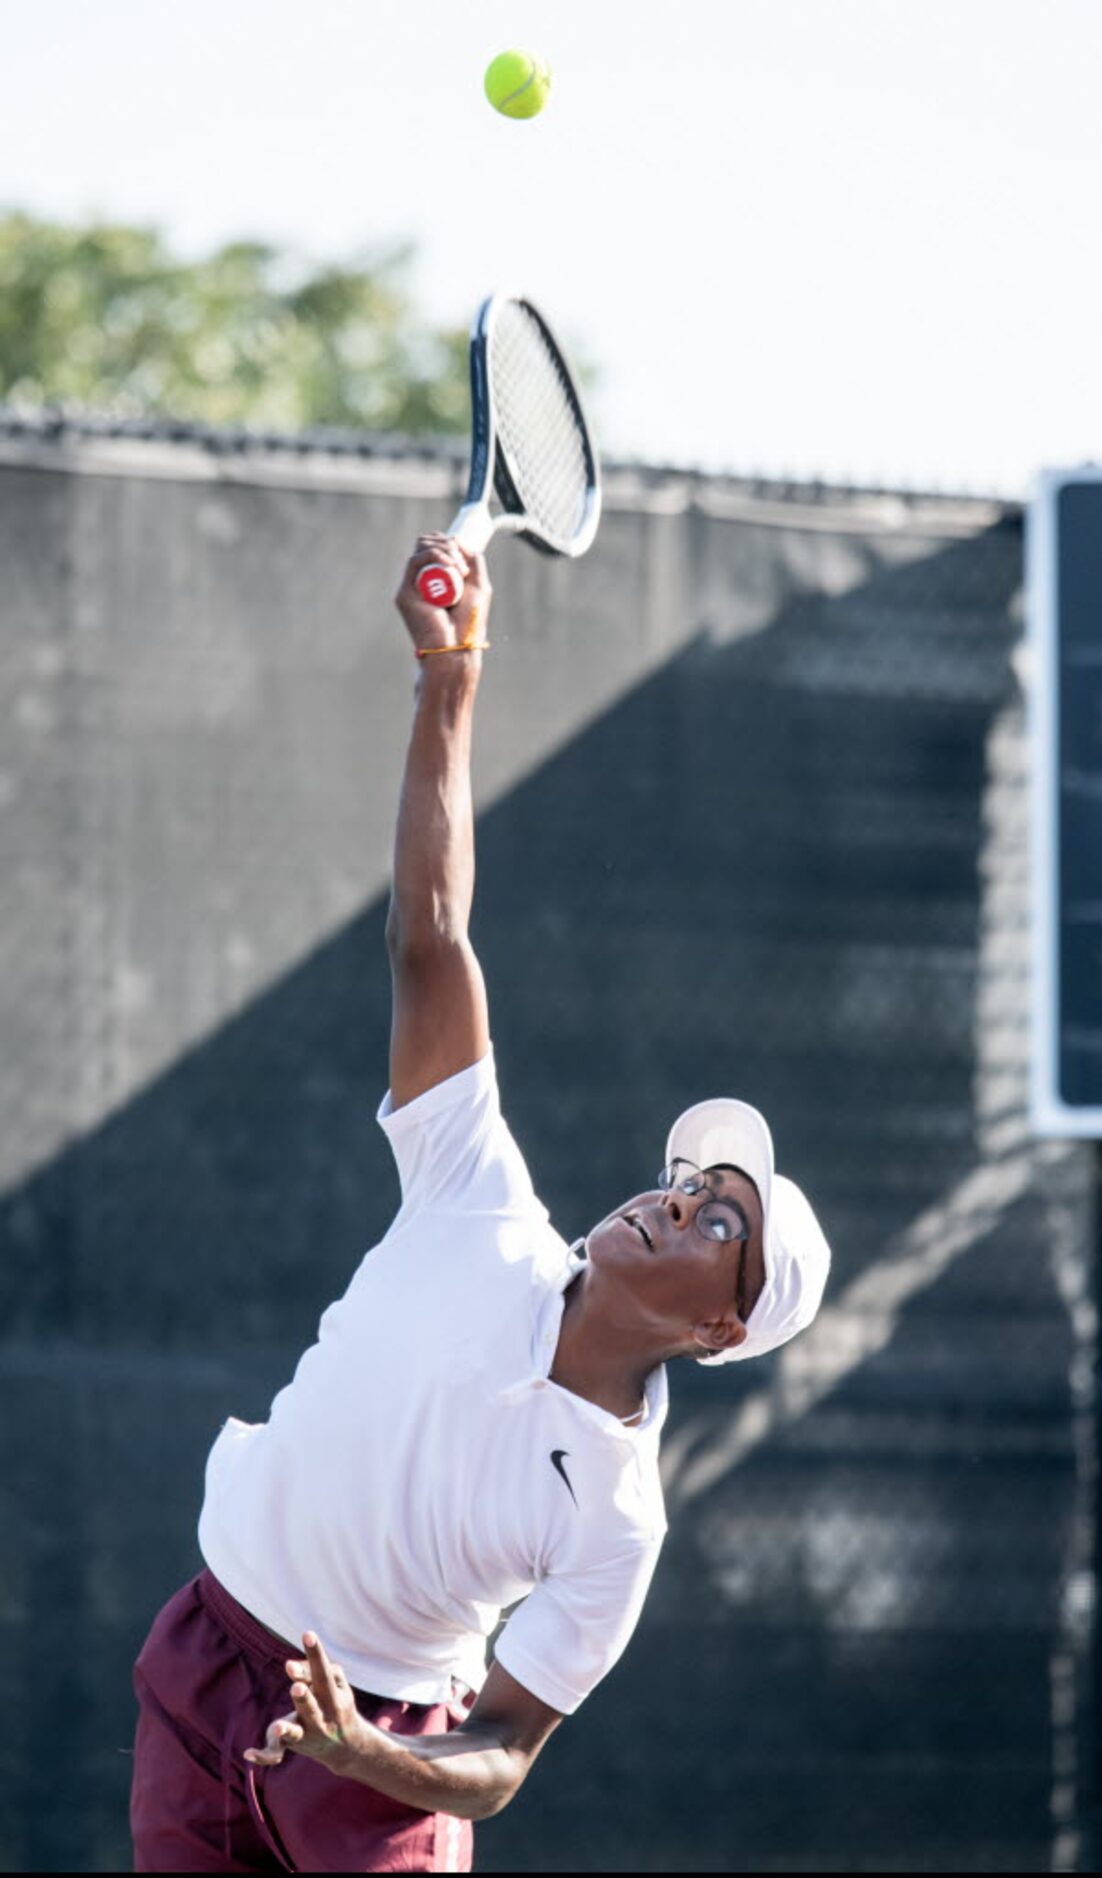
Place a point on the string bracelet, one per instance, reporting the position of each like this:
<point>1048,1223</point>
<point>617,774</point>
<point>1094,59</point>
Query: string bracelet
<point>468,644</point>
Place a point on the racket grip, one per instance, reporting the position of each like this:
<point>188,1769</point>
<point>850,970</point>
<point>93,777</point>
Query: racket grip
<point>438,585</point>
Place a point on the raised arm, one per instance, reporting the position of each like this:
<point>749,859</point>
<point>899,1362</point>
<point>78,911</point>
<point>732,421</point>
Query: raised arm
<point>440,1023</point>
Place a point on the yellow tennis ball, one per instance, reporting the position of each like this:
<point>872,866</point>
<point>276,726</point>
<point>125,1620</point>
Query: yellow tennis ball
<point>518,84</point>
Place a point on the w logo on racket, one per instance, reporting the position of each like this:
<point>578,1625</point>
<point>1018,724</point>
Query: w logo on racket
<point>435,586</point>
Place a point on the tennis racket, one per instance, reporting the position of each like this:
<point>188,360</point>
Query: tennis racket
<point>530,444</point>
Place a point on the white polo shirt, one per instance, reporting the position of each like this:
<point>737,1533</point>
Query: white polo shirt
<point>421,1471</point>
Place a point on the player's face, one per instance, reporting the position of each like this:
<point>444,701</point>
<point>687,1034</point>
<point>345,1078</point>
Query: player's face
<point>685,1257</point>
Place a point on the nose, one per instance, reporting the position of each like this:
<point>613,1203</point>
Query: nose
<point>679,1207</point>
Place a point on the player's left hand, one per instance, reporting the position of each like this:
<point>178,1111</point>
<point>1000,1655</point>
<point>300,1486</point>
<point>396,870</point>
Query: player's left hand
<point>430,626</point>
<point>325,1724</point>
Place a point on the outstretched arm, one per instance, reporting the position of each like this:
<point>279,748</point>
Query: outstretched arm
<point>440,1023</point>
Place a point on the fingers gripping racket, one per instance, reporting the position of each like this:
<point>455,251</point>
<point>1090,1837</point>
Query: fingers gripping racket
<point>530,444</point>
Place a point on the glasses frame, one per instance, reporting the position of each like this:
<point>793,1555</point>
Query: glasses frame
<point>694,1182</point>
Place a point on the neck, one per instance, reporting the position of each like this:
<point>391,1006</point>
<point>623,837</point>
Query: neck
<point>596,1359</point>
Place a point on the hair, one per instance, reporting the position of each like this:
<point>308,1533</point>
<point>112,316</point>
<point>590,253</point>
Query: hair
<point>728,1167</point>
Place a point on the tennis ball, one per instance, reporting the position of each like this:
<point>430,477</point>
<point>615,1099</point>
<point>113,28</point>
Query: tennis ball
<point>518,84</point>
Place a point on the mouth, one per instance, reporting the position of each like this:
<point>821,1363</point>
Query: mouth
<point>634,1221</point>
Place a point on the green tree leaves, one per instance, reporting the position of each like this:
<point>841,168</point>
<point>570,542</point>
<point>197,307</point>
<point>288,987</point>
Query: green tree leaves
<point>105,318</point>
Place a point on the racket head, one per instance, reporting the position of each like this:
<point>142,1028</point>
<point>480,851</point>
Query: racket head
<point>530,434</point>
<point>531,444</point>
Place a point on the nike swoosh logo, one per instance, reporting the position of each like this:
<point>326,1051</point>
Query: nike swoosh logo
<point>558,1455</point>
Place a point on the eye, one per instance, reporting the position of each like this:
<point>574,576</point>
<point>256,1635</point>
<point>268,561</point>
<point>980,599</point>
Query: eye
<point>682,1175</point>
<point>717,1223</point>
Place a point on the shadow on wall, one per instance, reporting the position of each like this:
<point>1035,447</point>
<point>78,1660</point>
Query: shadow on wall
<point>756,874</point>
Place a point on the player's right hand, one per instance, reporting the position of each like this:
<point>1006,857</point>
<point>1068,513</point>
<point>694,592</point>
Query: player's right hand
<point>429,625</point>
<point>324,1725</point>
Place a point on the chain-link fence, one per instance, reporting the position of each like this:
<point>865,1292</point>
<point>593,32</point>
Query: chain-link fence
<point>752,808</point>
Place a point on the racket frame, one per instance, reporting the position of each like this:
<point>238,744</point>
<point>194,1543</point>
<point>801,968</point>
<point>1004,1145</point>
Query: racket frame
<point>475,524</point>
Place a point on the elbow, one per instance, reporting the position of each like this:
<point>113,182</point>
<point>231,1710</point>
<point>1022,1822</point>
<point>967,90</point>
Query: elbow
<point>493,1801</point>
<point>414,945</point>
<point>483,1803</point>
<point>491,1792</point>
<point>394,932</point>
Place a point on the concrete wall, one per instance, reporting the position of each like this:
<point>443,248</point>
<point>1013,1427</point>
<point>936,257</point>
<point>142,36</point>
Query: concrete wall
<point>751,808</point>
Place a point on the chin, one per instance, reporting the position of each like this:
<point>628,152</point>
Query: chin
<point>614,1243</point>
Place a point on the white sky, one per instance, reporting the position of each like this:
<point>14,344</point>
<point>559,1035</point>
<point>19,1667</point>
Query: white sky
<point>854,238</point>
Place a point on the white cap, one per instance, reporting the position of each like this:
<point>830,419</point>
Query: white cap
<point>797,1256</point>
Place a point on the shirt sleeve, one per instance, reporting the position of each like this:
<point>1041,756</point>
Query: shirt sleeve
<point>575,1625</point>
<point>454,1149</point>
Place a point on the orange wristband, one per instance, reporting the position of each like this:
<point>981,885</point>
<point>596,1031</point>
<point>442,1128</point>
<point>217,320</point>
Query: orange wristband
<point>469,644</point>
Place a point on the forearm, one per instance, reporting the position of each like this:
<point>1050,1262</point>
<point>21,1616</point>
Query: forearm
<point>433,881</point>
<point>471,1772</point>
<point>474,1771</point>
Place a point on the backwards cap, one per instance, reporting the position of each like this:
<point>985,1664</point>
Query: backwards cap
<point>724,1132</point>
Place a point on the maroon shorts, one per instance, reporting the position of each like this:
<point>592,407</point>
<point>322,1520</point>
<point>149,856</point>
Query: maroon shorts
<point>209,1680</point>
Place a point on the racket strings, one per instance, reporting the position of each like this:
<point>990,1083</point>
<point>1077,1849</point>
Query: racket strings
<point>539,430</point>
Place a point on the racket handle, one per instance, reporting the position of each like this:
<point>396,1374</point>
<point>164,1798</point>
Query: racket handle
<point>471,530</point>
<point>438,585</point>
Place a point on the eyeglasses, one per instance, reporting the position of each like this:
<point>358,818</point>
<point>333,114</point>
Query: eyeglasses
<point>720,1221</point>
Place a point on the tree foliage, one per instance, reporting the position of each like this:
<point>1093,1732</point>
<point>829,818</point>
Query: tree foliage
<point>104,317</point>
